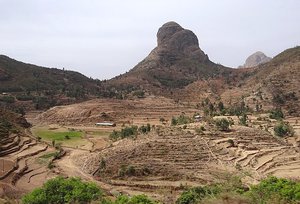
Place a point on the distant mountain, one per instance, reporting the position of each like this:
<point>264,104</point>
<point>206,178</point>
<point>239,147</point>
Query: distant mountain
<point>256,59</point>
<point>176,62</point>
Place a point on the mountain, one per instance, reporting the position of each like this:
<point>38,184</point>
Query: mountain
<point>256,59</point>
<point>274,85</point>
<point>174,63</point>
<point>28,85</point>
<point>17,76</point>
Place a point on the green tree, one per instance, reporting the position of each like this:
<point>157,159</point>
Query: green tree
<point>283,129</point>
<point>276,114</point>
<point>60,191</point>
<point>223,124</point>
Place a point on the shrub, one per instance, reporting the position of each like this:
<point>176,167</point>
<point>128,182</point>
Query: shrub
<point>243,119</point>
<point>124,133</point>
<point>181,120</point>
<point>223,124</point>
<point>7,99</point>
<point>60,190</point>
<point>275,190</point>
<point>138,199</point>
<point>276,114</point>
<point>283,129</point>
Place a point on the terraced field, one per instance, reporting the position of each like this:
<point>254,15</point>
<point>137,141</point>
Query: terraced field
<point>19,169</point>
<point>168,158</point>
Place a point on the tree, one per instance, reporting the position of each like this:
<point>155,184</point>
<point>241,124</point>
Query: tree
<point>283,129</point>
<point>223,124</point>
<point>60,191</point>
<point>277,114</point>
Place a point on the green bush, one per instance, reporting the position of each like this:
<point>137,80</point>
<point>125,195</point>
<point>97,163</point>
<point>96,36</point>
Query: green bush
<point>276,114</point>
<point>283,129</point>
<point>7,99</point>
<point>243,119</point>
<point>124,133</point>
<point>223,124</point>
<point>60,191</point>
<point>181,120</point>
<point>138,199</point>
<point>275,190</point>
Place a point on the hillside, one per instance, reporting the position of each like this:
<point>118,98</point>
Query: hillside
<point>44,87</point>
<point>272,85</point>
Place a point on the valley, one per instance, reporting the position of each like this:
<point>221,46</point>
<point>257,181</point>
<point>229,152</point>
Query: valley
<point>174,122</point>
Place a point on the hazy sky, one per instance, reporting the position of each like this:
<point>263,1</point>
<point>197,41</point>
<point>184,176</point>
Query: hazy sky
<point>102,39</point>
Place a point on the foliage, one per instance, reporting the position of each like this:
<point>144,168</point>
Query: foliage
<point>181,120</point>
<point>275,190</point>
<point>243,119</point>
<point>223,124</point>
<point>7,99</point>
<point>138,199</point>
<point>60,191</point>
<point>139,93</point>
<point>283,129</point>
<point>127,171</point>
<point>197,194</point>
<point>144,129</point>
<point>270,190</point>
<point>124,133</point>
<point>276,114</point>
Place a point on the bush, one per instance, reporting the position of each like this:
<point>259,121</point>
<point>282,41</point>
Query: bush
<point>138,199</point>
<point>276,114</point>
<point>60,190</point>
<point>223,124</point>
<point>283,129</point>
<point>124,133</point>
<point>243,119</point>
<point>275,190</point>
<point>181,120</point>
<point>7,99</point>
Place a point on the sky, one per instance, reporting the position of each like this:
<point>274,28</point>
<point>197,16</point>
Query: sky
<point>102,39</point>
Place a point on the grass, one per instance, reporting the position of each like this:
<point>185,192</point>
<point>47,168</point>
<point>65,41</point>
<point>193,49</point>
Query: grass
<point>44,159</point>
<point>58,135</point>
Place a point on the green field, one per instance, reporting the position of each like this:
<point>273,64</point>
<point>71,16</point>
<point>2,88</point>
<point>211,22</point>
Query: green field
<point>58,135</point>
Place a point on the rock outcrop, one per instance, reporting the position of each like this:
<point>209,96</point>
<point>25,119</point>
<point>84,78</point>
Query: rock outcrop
<point>175,62</point>
<point>256,59</point>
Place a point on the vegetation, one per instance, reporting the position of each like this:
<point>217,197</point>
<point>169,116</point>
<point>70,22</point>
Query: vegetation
<point>58,135</point>
<point>60,191</point>
<point>276,114</point>
<point>124,133</point>
<point>270,190</point>
<point>129,132</point>
<point>243,119</point>
<point>223,124</point>
<point>275,190</point>
<point>181,120</point>
<point>283,129</point>
<point>138,199</point>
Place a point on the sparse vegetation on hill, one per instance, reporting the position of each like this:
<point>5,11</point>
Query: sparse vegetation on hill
<point>181,120</point>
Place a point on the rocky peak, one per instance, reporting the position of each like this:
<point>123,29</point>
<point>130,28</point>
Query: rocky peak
<point>256,59</point>
<point>175,42</point>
